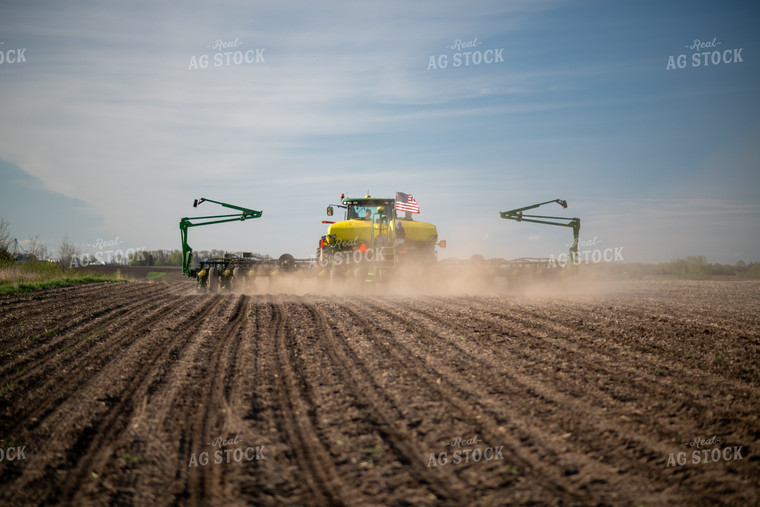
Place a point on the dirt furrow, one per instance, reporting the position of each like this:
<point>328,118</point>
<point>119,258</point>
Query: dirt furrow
<point>74,367</point>
<point>276,478</point>
<point>151,453</point>
<point>477,384</point>
<point>214,419</point>
<point>22,333</point>
<point>608,358</point>
<point>108,400</point>
<point>690,301</point>
<point>643,372</point>
<point>566,418</point>
<point>313,459</point>
<point>22,322</point>
<point>112,427</point>
<point>383,414</point>
<point>629,422</point>
<point>30,303</point>
<point>646,372</point>
<point>721,347</point>
<point>148,393</point>
<point>31,353</point>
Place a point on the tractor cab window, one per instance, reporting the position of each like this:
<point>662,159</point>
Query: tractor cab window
<point>360,213</point>
<point>378,210</point>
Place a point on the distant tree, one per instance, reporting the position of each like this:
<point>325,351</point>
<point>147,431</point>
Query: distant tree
<point>176,258</point>
<point>68,252</point>
<point>696,268</point>
<point>5,242</point>
<point>6,256</point>
<point>675,267</point>
<point>37,249</point>
<point>144,258</point>
<point>752,271</point>
<point>158,258</point>
<point>5,235</point>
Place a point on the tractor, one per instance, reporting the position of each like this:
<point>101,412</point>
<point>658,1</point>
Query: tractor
<point>373,241</point>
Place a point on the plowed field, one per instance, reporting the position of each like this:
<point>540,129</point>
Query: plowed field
<point>148,394</point>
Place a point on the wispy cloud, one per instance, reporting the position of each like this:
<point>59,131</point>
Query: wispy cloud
<point>107,111</point>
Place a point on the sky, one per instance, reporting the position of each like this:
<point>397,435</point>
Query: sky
<point>115,116</point>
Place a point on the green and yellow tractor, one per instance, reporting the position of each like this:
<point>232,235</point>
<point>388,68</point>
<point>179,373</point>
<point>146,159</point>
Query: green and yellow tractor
<point>373,240</point>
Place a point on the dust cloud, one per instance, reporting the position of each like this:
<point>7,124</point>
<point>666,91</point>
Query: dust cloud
<point>439,279</point>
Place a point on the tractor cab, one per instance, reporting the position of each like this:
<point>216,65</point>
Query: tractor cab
<point>366,220</point>
<point>364,208</point>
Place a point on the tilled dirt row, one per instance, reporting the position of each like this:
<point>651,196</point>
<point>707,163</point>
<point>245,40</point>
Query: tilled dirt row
<point>147,393</point>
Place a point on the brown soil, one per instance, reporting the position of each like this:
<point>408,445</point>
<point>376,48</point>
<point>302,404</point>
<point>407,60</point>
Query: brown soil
<point>115,392</point>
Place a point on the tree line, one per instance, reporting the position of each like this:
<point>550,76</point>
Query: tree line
<point>69,254</point>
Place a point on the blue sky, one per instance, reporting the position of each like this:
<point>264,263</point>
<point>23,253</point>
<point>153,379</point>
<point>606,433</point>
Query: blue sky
<point>106,131</point>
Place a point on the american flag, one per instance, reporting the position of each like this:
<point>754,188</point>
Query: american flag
<point>405,202</point>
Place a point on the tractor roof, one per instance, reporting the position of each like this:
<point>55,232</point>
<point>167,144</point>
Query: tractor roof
<point>368,200</point>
